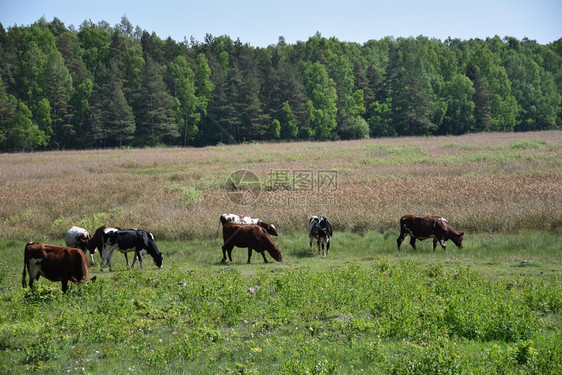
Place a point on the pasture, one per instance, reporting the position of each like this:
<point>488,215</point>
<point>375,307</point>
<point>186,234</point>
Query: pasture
<point>494,306</point>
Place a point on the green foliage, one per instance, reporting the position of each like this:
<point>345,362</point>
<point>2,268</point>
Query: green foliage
<point>356,312</point>
<point>187,195</point>
<point>109,86</point>
<point>354,128</point>
<point>288,122</point>
<point>321,109</point>
<point>115,216</point>
<point>307,321</point>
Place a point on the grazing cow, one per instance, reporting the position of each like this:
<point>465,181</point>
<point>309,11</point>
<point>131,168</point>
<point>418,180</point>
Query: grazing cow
<point>241,219</point>
<point>424,227</point>
<point>96,242</point>
<point>251,236</point>
<point>320,228</point>
<point>56,263</point>
<point>127,240</point>
<point>78,238</point>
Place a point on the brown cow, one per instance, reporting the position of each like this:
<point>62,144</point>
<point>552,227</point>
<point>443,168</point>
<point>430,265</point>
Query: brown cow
<point>56,263</point>
<point>424,227</point>
<point>242,219</point>
<point>251,236</point>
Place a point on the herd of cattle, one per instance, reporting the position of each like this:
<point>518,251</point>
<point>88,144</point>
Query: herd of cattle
<point>64,264</point>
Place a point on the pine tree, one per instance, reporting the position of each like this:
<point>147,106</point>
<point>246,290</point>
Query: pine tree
<point>156,123</point>
<point>481,98</point>
<point>58,92</point>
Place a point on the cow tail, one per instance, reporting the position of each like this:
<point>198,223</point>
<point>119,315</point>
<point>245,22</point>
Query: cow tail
<point>219,227</point>
<point>24,274</point>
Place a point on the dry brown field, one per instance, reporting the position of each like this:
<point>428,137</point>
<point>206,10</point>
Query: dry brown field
<point>498,182</point>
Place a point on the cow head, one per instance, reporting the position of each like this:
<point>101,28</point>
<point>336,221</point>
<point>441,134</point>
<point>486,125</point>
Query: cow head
<point>270,228</point>
<point>159,259</point>
<point>324,227</point>
<point>82,243</point>
<point>313,226</point>
<point>457,239</point>
<point>275,253</point>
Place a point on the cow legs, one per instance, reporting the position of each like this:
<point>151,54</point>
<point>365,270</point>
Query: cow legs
<point>400,239</point>
<point>441,242</point>
<point>34,269</point>
<point>135,257</point>
<point>226,249</point>
<point>64,286</point>
<point>249,254</point>
<point>106,260</point>
<point>413,242</point>
<point>138,255</point>
<point>311,238</point>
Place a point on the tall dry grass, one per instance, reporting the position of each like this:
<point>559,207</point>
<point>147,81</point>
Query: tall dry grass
<point>480,182</point>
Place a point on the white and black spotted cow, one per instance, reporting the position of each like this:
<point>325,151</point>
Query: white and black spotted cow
<point>78,238</point>
<point>242,219</point>
<point>127,240</point>
<point>320,228</point>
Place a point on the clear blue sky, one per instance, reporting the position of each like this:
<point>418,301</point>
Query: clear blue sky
<point>261,22</point>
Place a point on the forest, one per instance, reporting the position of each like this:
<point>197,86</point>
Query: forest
<point>102,86</point>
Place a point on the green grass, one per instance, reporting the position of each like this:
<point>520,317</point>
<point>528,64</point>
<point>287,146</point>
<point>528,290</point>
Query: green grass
<point>366,307</point>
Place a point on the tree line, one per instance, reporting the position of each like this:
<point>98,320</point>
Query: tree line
<point>102,86</point>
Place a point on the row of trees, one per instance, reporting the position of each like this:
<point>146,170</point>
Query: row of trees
<point>103,86</point>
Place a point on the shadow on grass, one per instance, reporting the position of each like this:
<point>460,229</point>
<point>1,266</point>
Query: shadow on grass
<point>302,254</point>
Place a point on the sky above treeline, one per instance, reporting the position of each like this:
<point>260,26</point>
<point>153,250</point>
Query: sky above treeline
<point>260,23</point>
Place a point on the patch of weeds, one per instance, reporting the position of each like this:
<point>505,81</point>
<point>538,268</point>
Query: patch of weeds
<point>116,215</point>
<point>187,195</point>
<point>527,144</point>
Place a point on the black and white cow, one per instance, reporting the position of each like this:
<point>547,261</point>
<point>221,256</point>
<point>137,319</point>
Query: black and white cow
<point>127,240</point>
<point>321,229</point>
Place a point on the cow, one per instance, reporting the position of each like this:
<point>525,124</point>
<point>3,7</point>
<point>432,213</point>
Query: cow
<point>127,240</point>
<point>251,236</point>
<point>78,238</point>
<point>320,228</point>
<point>55,263</point>
<point>96,242</point>
<point>424,227</point>
<point>242,219</point>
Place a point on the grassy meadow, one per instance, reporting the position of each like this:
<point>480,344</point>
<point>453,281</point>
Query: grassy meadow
<point>494,306</point>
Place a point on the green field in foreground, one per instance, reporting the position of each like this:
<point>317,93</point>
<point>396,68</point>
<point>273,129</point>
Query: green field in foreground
<point>494,306</point>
